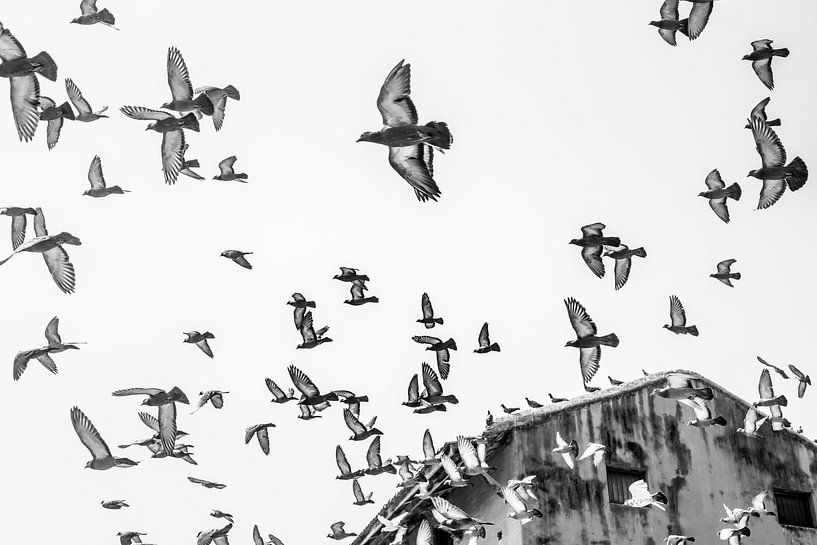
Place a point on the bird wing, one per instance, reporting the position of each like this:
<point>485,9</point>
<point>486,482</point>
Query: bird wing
<point>256,536</point>
<point>353,423</point>
<point>680,380</point>
<point>40,229</point>
<point>450,468</point>
<point>759,501</point>
<point>468,454</point>
<point>425,535</point>
<point>797,372</point>
<point>448,509</point>
<point>763,69</point>
<point>89,435</point>
<point>373,453</point>
<point>144,114</point>
<point>263,438</point>
<point>167,426</point>
<point>52,334</point>
<point>61,269</point>
<point>443,356</point>
<point>714,180</point>
<point>274,389</point>
<point>21,362</point>
<point>428,310</point>
<point>719,207</point>
<point>342,462</point>
<point>760,110</point>
<point>394,102</point>
<point>770,193</point>
<point>676,312</point>
<point>88,7</point>
<point>75,95</point>
<point>52,132</point>
<point>590,450</point>
<point>639,490</point>
<point>484,339</point>
<point>431,381</point>
<point>764,385</point>
<point>724,267</point>
<point>10,48</point>
<point>559,440</point>
<point>219,100</point>
<point>18,230</point>
<point>302,382</point>
<point>178,78</point>
<point>150,421</point>
<point>622,271</point>
<point>699,17</point>
<point>95,173</point>
<point>226,165</point>
<point>25,102</point>
<point>594,229</point>
<point>759,45</point>
<point>428,446</point>
<point>48,363</point>
<point>307,329</point>
<point>217,400</point>
<point>415,165</point>
<point>357,290</point>
<point>700,406</point>
<point>204,346</point>
<point>413,389</point>
<point>137,391</point>
<point>771,150</point>
<point>298,317</point>
<point>425,339</point>
<point>582,323</point>
<point>589,361</point>
<point>669,10</point>
<point>513,500</point>
<point>173,148</point>
<point>780,371</point>
<point>356,490</point>
<point>274,540</point>
<point>592,257</point>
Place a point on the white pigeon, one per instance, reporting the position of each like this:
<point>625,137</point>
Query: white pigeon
<point>568,450</point>
<point>596,450</point>
<point>455,479</point>
<point>524,487</point>
<point>519,509</point>
<point>425,535</point>
<point>394,525</point>
<point>752,422</point>
<point>739,517</point>
<point>641,496</point>
<point>759,504</point>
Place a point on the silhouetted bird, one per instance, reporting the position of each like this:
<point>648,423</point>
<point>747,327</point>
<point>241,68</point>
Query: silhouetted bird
<point>669,24</point>
<point>376,466</point>
<point>615,382</point>
<point>774,172</point>
<point>718,193</point>
<point>434,389</point>
<point>358,298</point>
<point>18,223</point>
<point>227,173</point>
<point>442,350</point>
<point>624,260</point>
<point>84,111</point>
<point>88,434</point>
<point>200,340</point>
<point>678,318</point>
<point>360,498</point>
<point>97,180</point>
<point>725,273</point>
<point>215,513</point>
<point>237,256</point>
<point>759,111</point>
<point>54,116</point>
<point>278,394</point>
<point>310,337</point>
<point>556,399</point>
<point>90,15</point>
<point>588,343</point>
<point>485,344</point>
<point>181,90</point>
<point>345,469</point>
<point>413,393</point>
<point>761,57</point>
<point>592,243</point>
<point>214,397</point>
<point>128,538</point>
<point>428,318</point>
<point>218,97</point>
<point>533,404</point>
<point>360,431</point>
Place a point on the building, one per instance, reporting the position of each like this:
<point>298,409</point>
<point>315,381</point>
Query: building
<point>698,469</point>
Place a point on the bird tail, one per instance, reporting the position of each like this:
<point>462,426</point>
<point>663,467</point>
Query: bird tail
<point>176,394</point>
<point>106,16</point>
<point>704,393</point>
<point>451,399</point>
<point>232,92</point>
<point>733,191</point>
<point>799,174</point>
<point>440,135</point>
<point>242,176</point>
<point>451,344</point>
<point>640,252</point>
<point>45,65</point>
<point>67,112</point>
<point>782,401</point>
<point>719,421</point>
<point>609,340</point>
<point>192,163</point>
<point>190,122</point>
<point>684,27</point>
<point>363,398</point>
<point>736,276</point>
<point>783,52</point>
<point>372,299</point>
<point>744,531</point>
<point>773,123</point>
<point>693,330</point>
<point>660,497</point>
<point>310,304</point>
<point>204,104</point>
<point>494,347</point>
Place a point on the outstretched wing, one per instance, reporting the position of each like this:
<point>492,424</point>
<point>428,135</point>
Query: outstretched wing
<point>582,323</point>
<point>173,148</point>
<point>302,382</point>
<point>25,102</point>
<point>178,78</point>
<point>95,173</point>
<point>144,114</point>
<point>676,312</point>
<point>394,102</point>
<point>771,150</point>
<point>415,165</point>
<point>89,435</point>
<point>61,269</point>
<point>75,95</point>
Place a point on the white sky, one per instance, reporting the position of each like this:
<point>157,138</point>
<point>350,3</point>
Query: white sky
<point>563,114</point>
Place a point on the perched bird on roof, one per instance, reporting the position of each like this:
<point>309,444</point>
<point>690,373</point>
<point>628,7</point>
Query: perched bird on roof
<point>25,89</point>
<point>759,111</point>
<point>428,318</point>
<point>299,304</point>
<point>91,15</point>
<point>640,496</point>
<point>376,465</point>
<point>774,171</point>
<point>752,422</point>
<point>310,337</point>
<point>508,410</point>
<point>803,380</point>
<point>114,504</point>
<point>718,193</point>
<point>206,484</point>
<point>360,498</point>
<point>624,260</point>
<point>533,404</point>
<point>310,395</point>
<point>434,389</point>
<point>569,451</point>
<point>218,98</point>
<point>778,370</point>
<point>597,451</point>
<point>360,431</point>
<point>221,515</point>
<point>519,510</point>
<point>92,440</point>
<point>703,414</point>
<point>358,298</point>
<point>698,17</point>
<point>556,399</point>
<point>590,389</point>
<point>214,397</point>
<point>678,318</point>
<point>237,256</point>
<point>761,57</point>
<point>680,386</point>
<point>260,431</point>
<point>55,117</point>
<point>725,273</point>
<point>485,344</point>
<point>97,180</point>
<point>592,244</point>
<point>200,340</point>
<point>669,24</point>
<point>345,469</point>
<point>181,90</point>
<point>588,343</point>
<point>338,532</point>
<point>227,173</point>
<point>84,111</point>
<point>441,348</point>
<point>615,382</point>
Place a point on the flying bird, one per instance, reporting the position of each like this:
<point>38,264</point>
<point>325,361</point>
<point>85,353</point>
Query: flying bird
<point>84,111</point>
<point>681,386</point>
<point>569,451</point>
<point>759,111</point>
<point>217,536</point>
<point>588,343</point>
<point>114,504</point>
<point>752,422</point>
<point>181,91</point>
<point>624,260</point>
<point>307,412</point>
<point>703,414</point>
<point>396,525</point>
<point>360,431</point>
<point>278,394</point>
<point>353,401</point>
<point>98,186</point>
<point>640,496</point>
<point>441,348</point>
<point>375,462</point>
<point>669,24</point>
<point>310,395</point>
<point>237,256</point>
<point>718,193</point>
<point>773,402</point>
<point>214,397</point>
<point>698,17</point>
<point>92,440</point>
<point>759,504</point>
<point>410,145</point>
<point>338,532</point>
<point>55,117</point>
<point>725,273</point>
<point>473,458</point>
<point>226,172</point>
<point>299,304</point>
<point>802,379</point>
<point>206,484</point>
<point>215,513</point>
<point>428,319</point>
<point>434,388</point>
<point>261,431</point>
<point>358,297</point>
<point>309,336</point>
<point>485,344</point>
<point>348,274</point>
<point>678,319</point>
<point>778,370</point>
<point>730,534</point>
<point>519,510</point>
<point>166,403</point>
<point>200,340</point>
<point>597,451</point>
<point>413,394</point>
<point>128,538</point>
<point>345,469</point>
<point>156,397</point>
<point>774,172</point>
<point>360,498</point>
<point>761,57</point>
<point>43,354</point>
<point>678,540</point>
<point>592,244</point>
<point>218,98</point>
<point>91,15</point>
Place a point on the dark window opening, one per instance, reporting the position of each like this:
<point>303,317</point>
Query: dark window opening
<point>619,481</point>
<point>794,508</point>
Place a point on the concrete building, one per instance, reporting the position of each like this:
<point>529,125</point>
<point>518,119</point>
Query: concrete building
<point>698,469</point>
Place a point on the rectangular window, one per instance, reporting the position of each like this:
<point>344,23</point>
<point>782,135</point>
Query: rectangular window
<point>794,508</point>
<point>619,481</point>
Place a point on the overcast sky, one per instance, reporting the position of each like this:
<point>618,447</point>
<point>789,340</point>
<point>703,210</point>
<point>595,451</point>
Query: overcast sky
<point>563,114</point>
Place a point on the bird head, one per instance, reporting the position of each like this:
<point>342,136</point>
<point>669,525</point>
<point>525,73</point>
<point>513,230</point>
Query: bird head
<point>752,173</point>
<point>88,465</point>
<point>666,326</point>
<point>223,254</point>
<point>366,137</point>
<point>86,192</point>
<point>747,58</point>
<point>145,401</point>
<point>150,126</point>
<point>654,23</point>
<point>167,105</point>
<point>575,241</point>
<point>570,343</point>
<point>702,194</point>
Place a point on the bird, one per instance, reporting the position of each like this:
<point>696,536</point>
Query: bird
<point>803,380</point>
<point>640,496</point>
<point>25,89</point>
<point>278,394</point>
<point>338,532</point>
<point>345,469</point>
<point>698,17</point>
<point>592,244</point>
<point>738,517</point>
<point>98,187</point>
<point>556,399</point>
<point>678,540</point>
<point>360,431</point>
<point>127,538</point>
<point>217,536</point>
<point>166,403</point>
<point>718,193</point>
<point>310,395</point>
<point>156,396</point>
<point>761,57</point>
<point>102,458</point>
<point>533,404</point>
<point>473,458</point>
<point>310,337</point>
<point>454,477</point>
<point>485,344</point>
<point>188,166</point>
<point>429,452</point>
<point>624,260</point>
<point>348,274</point>
<point>434,388</point>
<point>375,462</point>
<point>768,399</point>
<point>360,498</point>
<point>597,451</point>
<point>206,484</point>
<point>85,113</point>
<point>425,534</point>
<point>615,382</point>
<point>413,394</point>
<point>226,172</point>
<point>669,24</point>
<point>588,343</point>
<point>519,510</point>
<point>91,15</point>
<point>200,340</point>
<point>218,98</point>
<point>759,111</point>
<point>358,298</point>
<point>114,504</point>
<point>396,525</point>
<point>172,131</point>
<point>759,504</point>
<point>778,370</point>
<point>260,431</point>
<point>353,401</point>
<point>410,145</point>
<point>703,414</point>
<point>752,422</point>
<point>55,117</point>
<point>300,304</point>
<point>774,172</point>
<point>215,513</point>
<point>678,318</point>
<point>43,354</point>
<point>508,410</point>
<point>453,518</point>
<point>489,419</point>
<point>237,256</point>
<point>428,319</point>
<point>181,90</point>
<point>728,534</point>
<point>681,386</point>
<point>725,273</point>
<point>441,348</point>
<point>214,397</point>
<point>569,451</point>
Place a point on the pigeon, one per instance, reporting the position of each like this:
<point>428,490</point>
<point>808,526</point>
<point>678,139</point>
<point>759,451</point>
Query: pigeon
<point>300,305</point>
<point>768,399</point>
<point>358,298</point>
<point>428,318</point>
<point>678,540</point>
<point>345,469</point>
<point>508,410</point>
<point>348,274</point>
<point>592,243</point>
<point>452,518</point>
<point>778,370</point>
<point>569,451</point>
<point>84,111</point>
<point>43,354</point>
<point>90,16</point>
<point>214,397</point>
<point>803,380</point>
<point>759,111</point>
<point>590,389</point>
<point>669,24</point>
<point>353,401</point>
<point>640,496</point>
<point>25,89</point>
<point>238,257</point>
<point>200,340</point>
<point>413,393</point>
<point>556,399</point>
<point>114,504</point>
<point>624,260</point>
<point>718,193</point>
<point>752,422</point>
<point>51,248</point>
<point>227,173</point>
<point>442,351</point>
<point>454,477</point>
<point>698,17</point>
<point>312,338</point>
<point>206,484</point>
<point>90,437</point>
<point>128,538</point>
<point>588,343</point>
<point>396,525</point>
<point>261,431</point>
<point>615,382</point>
<point>434,388</point>
<point>472,458</point>
<point>774,171</point>
<point>678,318</point>
<point>221,515</point>
<point>761,57</point>
<point>360,499</point>
<point>429,452</point>
<point>533,404</point>
<point>98,187</point>
<point>218,98</point>
<point>376,466</point>
<point>485,344</point>
<point>597,451</point>
<point>680,386</point>
<point>55,117</point>
<point>725,273</point>
<point>759,504</point>
<point>338,532</point>
<point>524,487</point>
<point>703,415</point>
<point>489,419</point>
<point>410,145</point>
<point>278,394</point>
<point>310,395</point>
<point>217,536</point>
<point>257,540</point>
<point>181,91</point>
<point>360,431</point>
<point>728,534</point>
<point>519,510</point>
<point>166,402</point>
<point>738,517</point>
<point>172,130</point>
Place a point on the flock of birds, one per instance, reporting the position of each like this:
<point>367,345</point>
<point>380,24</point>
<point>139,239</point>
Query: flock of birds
<point>411,151</point>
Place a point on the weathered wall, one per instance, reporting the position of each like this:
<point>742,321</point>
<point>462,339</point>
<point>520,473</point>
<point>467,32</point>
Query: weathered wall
<point>698,470</point>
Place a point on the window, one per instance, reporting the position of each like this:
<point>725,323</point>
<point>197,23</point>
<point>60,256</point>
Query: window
<point>794,508</point>
<point>619,481</point>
